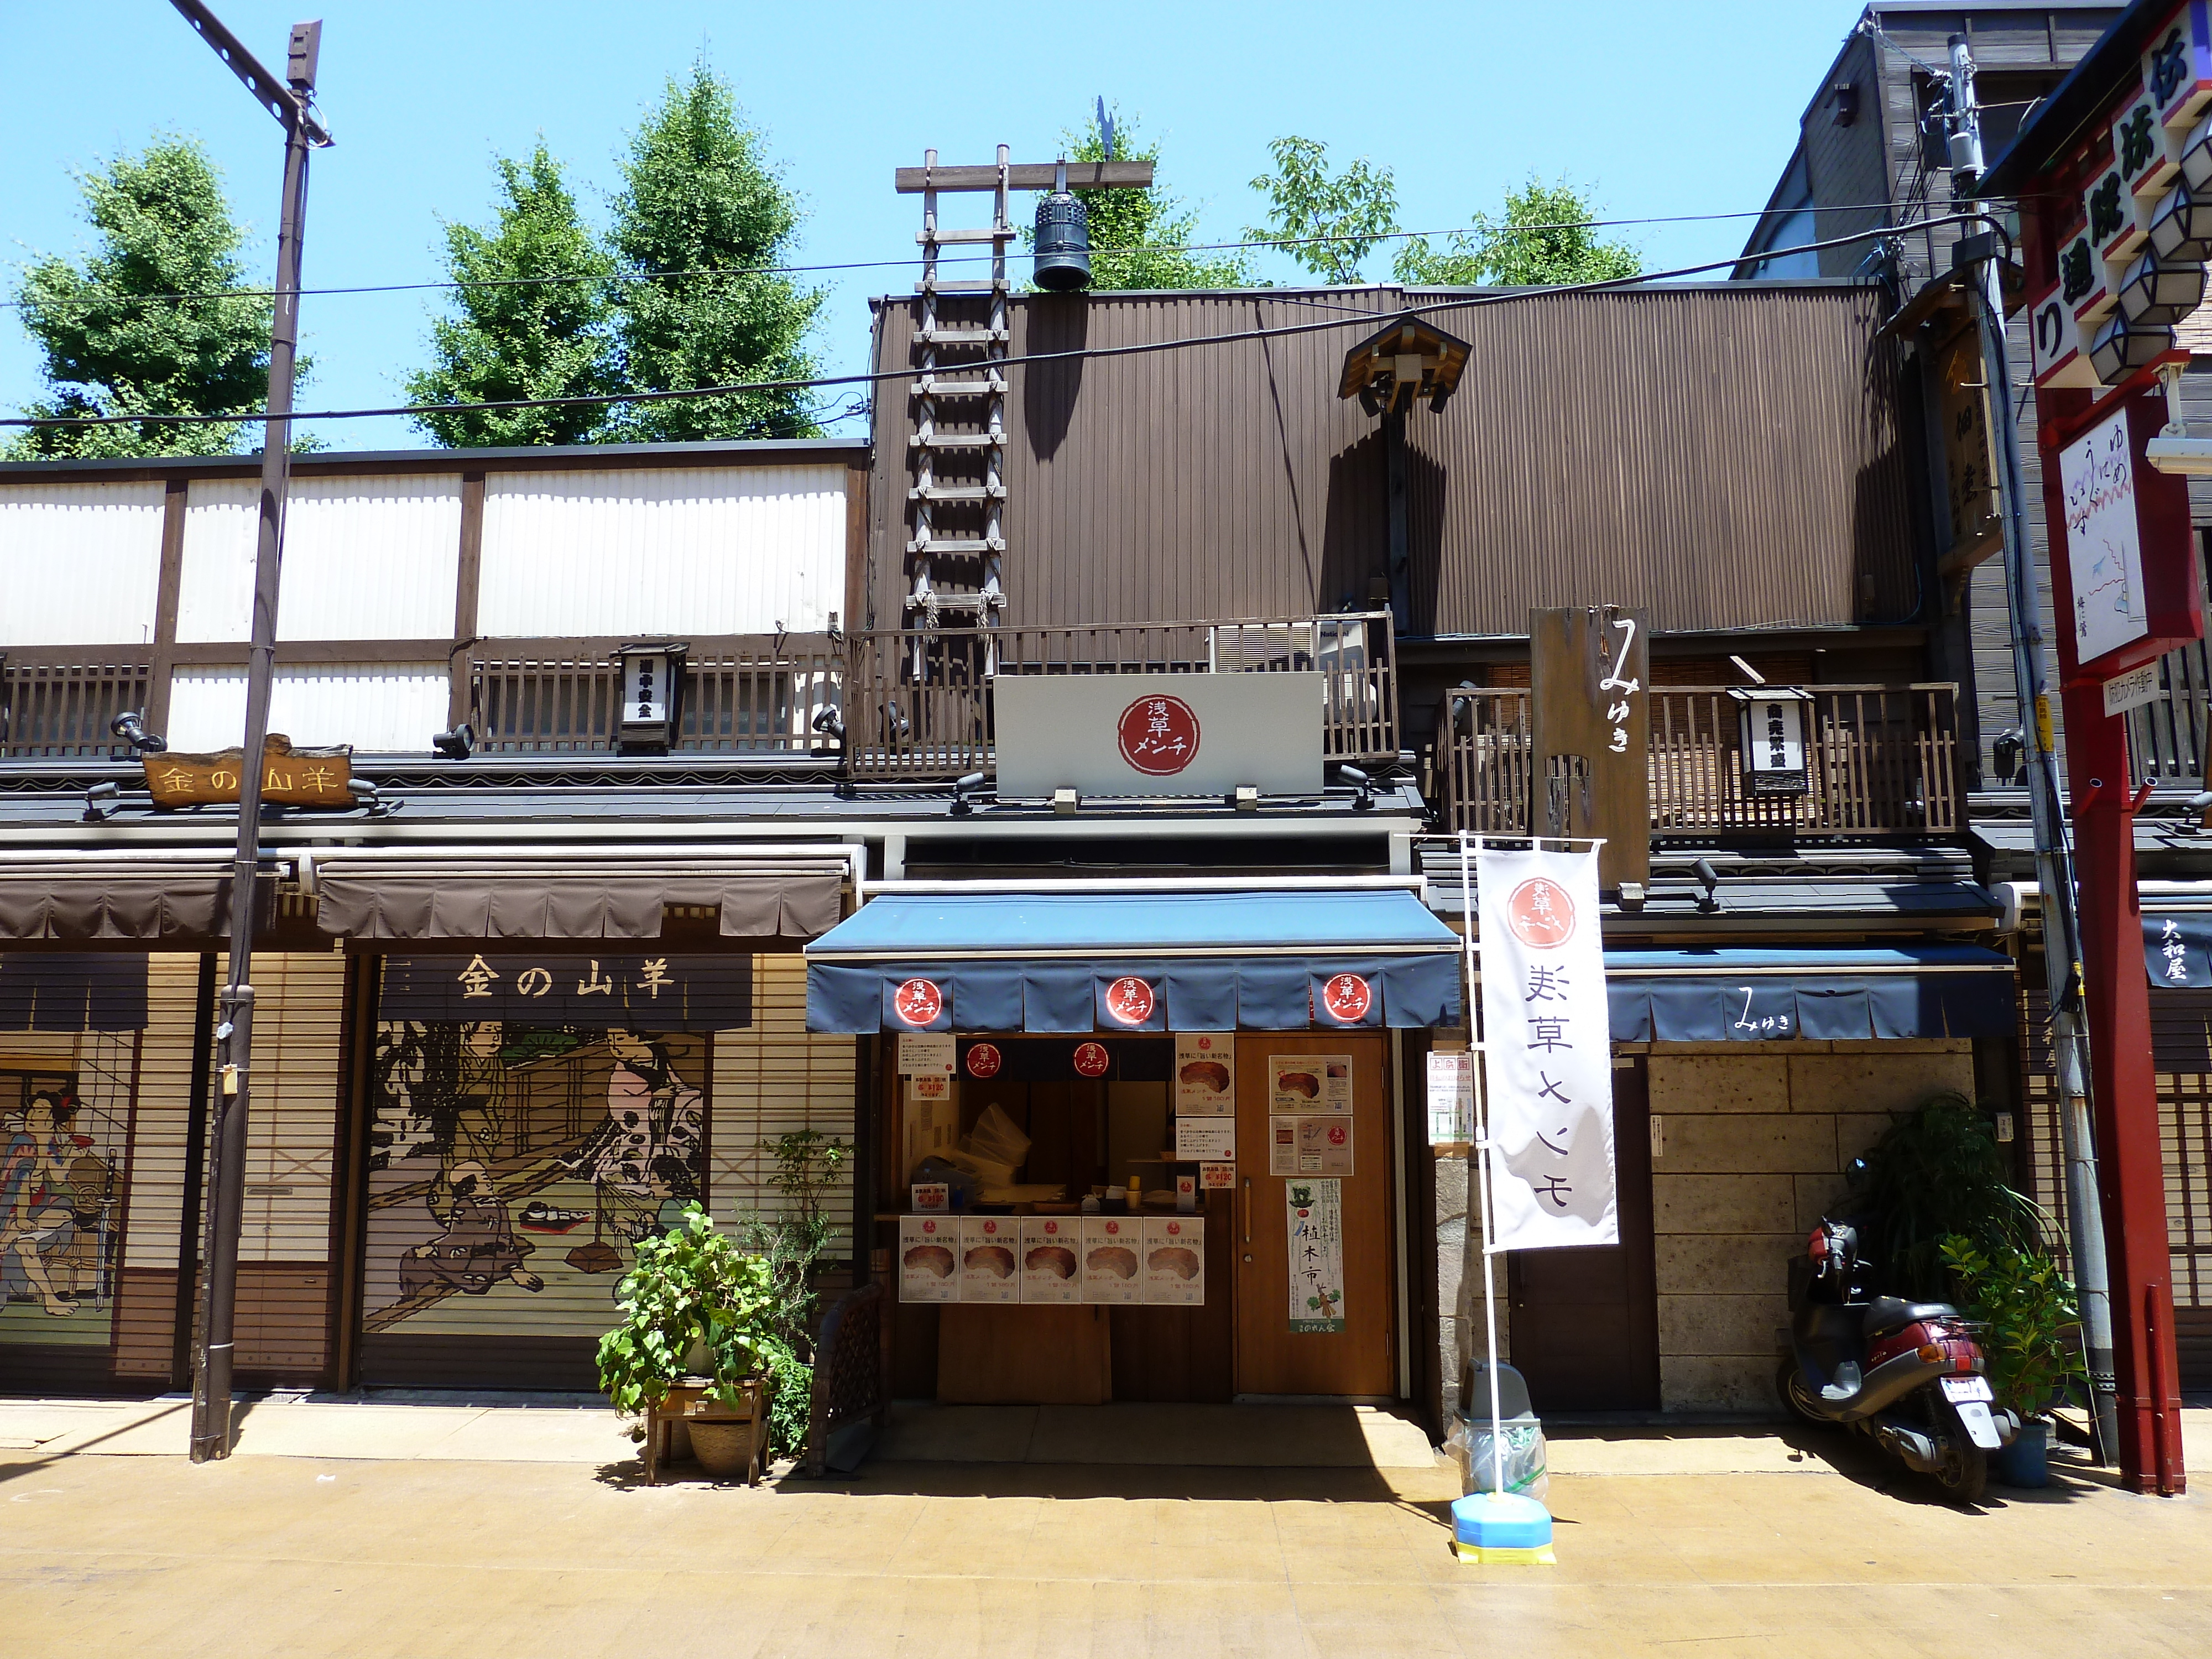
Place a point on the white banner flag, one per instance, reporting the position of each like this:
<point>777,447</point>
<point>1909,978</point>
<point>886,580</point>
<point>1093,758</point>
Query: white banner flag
<point>1548,1050</point>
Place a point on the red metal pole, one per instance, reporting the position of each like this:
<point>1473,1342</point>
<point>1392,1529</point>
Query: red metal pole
<point>2130,1177</point>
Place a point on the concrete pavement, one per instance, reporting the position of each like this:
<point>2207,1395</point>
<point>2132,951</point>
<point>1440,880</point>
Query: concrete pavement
<point>564,1555</point>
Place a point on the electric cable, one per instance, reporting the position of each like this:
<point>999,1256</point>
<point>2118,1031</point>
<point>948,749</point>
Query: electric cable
<point>1144,348</point>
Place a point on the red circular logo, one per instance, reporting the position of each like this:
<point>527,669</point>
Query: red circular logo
<point>1159,735</point>
<point>919,1002</point>
<point>1091,1059</point>
<point>984,1059</point>
<point>1336,1135</point>
<point>1541,913</point>
<point>1129,1000</point>
<point>1346,998</point>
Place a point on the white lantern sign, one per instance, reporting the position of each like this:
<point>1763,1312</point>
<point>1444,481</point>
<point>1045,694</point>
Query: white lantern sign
<point>1772,733</point>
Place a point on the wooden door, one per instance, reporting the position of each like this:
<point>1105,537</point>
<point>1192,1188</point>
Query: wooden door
<point>1585,1322</point>
<point>1271,1358</point>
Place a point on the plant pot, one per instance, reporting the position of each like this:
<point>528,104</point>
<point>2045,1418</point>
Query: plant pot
<point>723,1445</point>
<point>2025,1463</point>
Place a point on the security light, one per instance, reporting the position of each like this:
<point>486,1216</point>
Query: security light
<point>100,802</point>
<point>457,743</point>
<point>960,788</point>
<point>1353,775</point>
<point>131,726</point>
<point>1710,878</point>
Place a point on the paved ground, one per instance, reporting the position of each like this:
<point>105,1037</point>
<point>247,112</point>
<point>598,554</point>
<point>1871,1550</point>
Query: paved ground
<point>434,1536</point>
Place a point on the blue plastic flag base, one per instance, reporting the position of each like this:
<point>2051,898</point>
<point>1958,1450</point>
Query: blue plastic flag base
<point>1501,1529</point>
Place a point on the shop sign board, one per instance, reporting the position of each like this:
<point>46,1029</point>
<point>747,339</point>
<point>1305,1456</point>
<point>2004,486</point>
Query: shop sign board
<point>289,776</point>
<point>1158,734</point>
<point>1113,1259</point>
<point>1773,739</point>
<point>1174,1261</point>
<point>1314,1230</point>
<point>929,1258</point>
<point>1548,1051</point>
<point>990,1265</point>
<point>2132,689</point>
<point>1205,1074</point>
<point>2130,552</point>
<point>1052,1259</point>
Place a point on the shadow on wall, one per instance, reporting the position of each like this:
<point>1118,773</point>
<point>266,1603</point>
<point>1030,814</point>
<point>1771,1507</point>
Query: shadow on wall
<point>1355,549</point>
<point>1890,549</point>
<point>1057,322</point>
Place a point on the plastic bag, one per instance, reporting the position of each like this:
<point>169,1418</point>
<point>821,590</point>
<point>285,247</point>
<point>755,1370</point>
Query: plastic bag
<point>1468,1446</point>
<point>996,1139</point>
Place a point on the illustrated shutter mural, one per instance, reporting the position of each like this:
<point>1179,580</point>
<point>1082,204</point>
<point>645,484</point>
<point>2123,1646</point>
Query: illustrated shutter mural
<point>516,1157</point>
<point>2181,1047</point>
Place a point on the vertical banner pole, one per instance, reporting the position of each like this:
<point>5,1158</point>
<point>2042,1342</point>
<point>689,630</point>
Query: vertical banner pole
<point>1482,1161</point>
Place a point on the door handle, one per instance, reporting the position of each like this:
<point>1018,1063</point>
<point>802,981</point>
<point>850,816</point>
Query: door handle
<point>1248,1209</point>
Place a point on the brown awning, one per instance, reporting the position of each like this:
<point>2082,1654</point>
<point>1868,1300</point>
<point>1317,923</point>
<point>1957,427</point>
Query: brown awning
<point>156,905</point>
<point>414,902</point>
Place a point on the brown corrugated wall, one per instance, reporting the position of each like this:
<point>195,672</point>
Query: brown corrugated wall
<point>1725,457</point>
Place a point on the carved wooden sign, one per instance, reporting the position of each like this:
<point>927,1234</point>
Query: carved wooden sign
<point>289,776</point>
<point>1589,715</point>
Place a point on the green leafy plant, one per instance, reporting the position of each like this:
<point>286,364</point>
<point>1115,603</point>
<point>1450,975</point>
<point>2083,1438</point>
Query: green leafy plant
<point>697,1284</point>
<point>1141,239</point>
<point>1544,238</point>
<point>1938,1171</point>
<point>2029,1311</point>
<point>794,1241</point>
<point>1334,219</point>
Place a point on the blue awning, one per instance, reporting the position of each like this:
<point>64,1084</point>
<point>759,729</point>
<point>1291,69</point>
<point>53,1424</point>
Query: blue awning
<point>1836,995</point>
<point>1061,962</point>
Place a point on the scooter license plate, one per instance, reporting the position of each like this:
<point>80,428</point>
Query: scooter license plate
<point>1958,1389</point>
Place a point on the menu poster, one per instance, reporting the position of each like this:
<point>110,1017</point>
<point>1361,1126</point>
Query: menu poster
<point>1052,1258</point>
<point>989,1259</point>
<point>1451,1098</point>
<point>1217,1177</point>
<point>1206,1137</point>
<point>923,1051</point>
<point>1316,1233</point>
<point>1175,1261</point>
<point>929,1258</point>
<point>1113,1259</point>
<point>929,1086</point>
<point>1205,1074</point>
<point>1309,1083</point>
<point>1309,1146</point>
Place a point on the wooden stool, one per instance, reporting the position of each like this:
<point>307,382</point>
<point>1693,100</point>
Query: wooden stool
<point>682,1404</point>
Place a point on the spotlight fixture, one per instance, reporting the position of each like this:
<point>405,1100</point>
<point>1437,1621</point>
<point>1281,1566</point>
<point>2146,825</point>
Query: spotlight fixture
<point>367,794</point>
<point>1709,879</point>
<point>131,726</point>
<point>100,801</point>
<point>1353,776</point>
<point>895,725</point>
<point>830,722</point>
<point>457,743</point>
<point>961,787</point>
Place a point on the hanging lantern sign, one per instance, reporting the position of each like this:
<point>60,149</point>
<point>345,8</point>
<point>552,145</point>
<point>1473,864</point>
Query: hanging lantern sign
<point>1773,730</point>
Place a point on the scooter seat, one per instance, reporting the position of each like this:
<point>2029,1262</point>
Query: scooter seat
<point>1892,1313</point>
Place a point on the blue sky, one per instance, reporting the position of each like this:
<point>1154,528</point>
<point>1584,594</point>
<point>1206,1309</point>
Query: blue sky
<point>1684,107</point>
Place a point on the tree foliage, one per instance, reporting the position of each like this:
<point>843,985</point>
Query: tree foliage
<point>1335,218</point>
<point>111,346</point>
<point>1141,239</point>
<point>1542,239</point>
<point>700,211</point>
<point>513,335</point>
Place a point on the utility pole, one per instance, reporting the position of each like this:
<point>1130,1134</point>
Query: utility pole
<point>2054,866</point>
<point>288,101</point>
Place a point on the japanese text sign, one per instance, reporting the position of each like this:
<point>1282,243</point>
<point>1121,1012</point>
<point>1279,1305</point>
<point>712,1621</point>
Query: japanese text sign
<point>655,993</point>
<point>2129,585</point>
<point>1546,1049</point>
<point>1158,734</point>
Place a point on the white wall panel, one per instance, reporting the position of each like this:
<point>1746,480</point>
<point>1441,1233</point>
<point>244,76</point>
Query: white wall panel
<point>364,559</point>
<point>378,707</point>
<point>80,563</point>
<point>668,551</point>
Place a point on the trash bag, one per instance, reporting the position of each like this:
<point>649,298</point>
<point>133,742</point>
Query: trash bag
<point>1467,1443</point>
<point>997,1138</point>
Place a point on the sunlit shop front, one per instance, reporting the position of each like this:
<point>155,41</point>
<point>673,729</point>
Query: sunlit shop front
<point>1140,1140</point>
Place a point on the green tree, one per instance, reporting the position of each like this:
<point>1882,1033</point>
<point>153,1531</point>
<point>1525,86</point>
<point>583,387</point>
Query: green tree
<point>512,336</point>
<point>114,344</point>
<point>1336,219</point>
<point>701,212</point>
<point>1543,239</point>
<point>1141,239</point>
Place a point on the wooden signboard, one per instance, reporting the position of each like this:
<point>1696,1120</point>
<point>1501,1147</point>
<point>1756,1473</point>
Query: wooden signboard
<point>1590,720</point>
<point>289,776</point>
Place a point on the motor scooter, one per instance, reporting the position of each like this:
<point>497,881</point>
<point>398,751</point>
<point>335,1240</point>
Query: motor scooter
<point>1907,1374</point>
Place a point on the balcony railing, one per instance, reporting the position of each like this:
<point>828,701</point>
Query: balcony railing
<point>60,709</point>
<point>1880,760</point>
<point>2166,737</point>
<point>735,703</point>
<point>918,706</point>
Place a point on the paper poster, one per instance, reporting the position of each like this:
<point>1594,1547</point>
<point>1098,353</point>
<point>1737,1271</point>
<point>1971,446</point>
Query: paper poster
<point>1309,1146</point>
<point>1451,1098</point>
<point>989,1258</point>
<point>1309,1083</point>
<point>929,1086</point>
<point>930,1197</point>
<point>929,1258</point>
<point>1548,1050</point>
<point>931,1127</point>
<point>1052,1258</point>
<point>1217,1177</point>
<point>1200,1138</point>
<point>1174,1261</point>
<point>1205,1074</point>
<point>1113,1259</point>
<point>1315,1234</point>
<point>921,1052</point>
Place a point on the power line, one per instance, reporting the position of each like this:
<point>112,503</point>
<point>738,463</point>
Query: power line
<point>879,376</point>
<point>1489,230</point>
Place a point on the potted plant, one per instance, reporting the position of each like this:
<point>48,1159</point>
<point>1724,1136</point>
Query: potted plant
<point>805,1168</point>
<point>697,1305</point>
<point>2029,1314</point>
